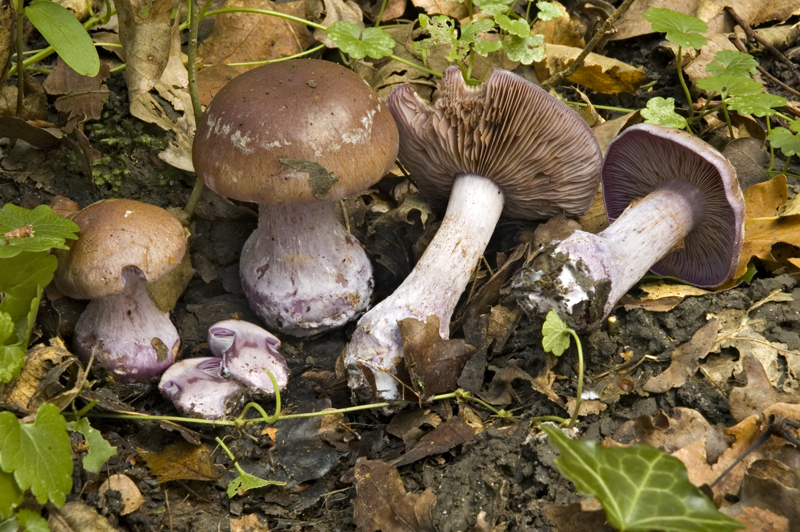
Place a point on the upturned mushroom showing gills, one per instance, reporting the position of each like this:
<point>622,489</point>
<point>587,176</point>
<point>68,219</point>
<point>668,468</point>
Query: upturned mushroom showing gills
<point>504,144</point>
<point>197,388</point>
<point>123,245</point>
<point>674,207</point>
<point>295,137</point>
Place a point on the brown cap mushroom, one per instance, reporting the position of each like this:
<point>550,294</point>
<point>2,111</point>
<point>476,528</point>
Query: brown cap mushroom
<point>505,142</point>
<point>294,137</point>
<point>122,246</point>
<point>676,208</point>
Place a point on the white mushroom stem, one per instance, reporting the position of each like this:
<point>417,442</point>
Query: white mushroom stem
<point>302,272</point>
<point>433,287</point>
<point>643,234</point>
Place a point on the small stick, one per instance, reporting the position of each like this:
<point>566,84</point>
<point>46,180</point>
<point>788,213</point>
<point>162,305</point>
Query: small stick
<point>599,34</point>
<point>741,47</point>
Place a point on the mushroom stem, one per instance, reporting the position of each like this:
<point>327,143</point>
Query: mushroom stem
<point>643,234</point>
<point>433,287</point>
<point>302,272</point>
<point>139,340</point>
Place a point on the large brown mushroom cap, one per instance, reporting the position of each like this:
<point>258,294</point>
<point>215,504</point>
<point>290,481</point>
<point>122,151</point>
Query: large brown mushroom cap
<point>305,110</point>
<point>539,151</point>
<point>647,155</point>
<point>115,234</point>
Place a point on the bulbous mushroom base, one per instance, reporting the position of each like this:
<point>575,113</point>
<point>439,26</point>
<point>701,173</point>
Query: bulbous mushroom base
<point>139,341</point>
<point>302,272</point>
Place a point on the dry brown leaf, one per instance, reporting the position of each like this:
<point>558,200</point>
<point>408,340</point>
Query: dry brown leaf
<point>77,517</point>
<point>248,37</point>
<point>132,498</point>
<point>661,289</point>
<point>7,17</point>
<point>749,156</point>
<point>335,11</point>
<point>756,395</point>
<point>560,30</point>
<point>382,502</point>
<point>597,72</point>
<point>394,9</point>
<point>249,523</point>
<point>685,360</point>
<point>574,518</point>
<point>449,434</point>
<point>181,461</point>
<point>81,97</point>
<point>758,519</point>
<point>451,8</point>
<point>588,408</point>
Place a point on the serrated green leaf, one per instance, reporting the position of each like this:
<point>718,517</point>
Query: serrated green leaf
<point>526,50</point>
<point>732,63</point>
<point>442,32</point>
<point>782,138</point>
<point>245,482</point>
<point>12,360</point>
<point>38,454</point>
<point>759,103</point>
<point>99,449</point>
<point>681,29</point>
<point>31,521</point>
<point>484,48</point>
<point>641,488</point>
<point>358,44</point>
<point>10,495</point>
<point>549,11</point>
<point>555,334</point>
<point>517,27</point>
<point>729,85</point>
<point>66,35</point>
<point>6,327</point>
<point>50,230</point>
<point>471,30</point>
<point>662,111</point>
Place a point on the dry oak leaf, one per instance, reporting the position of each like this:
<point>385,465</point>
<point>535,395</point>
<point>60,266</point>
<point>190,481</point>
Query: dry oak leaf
<point>382,502</point>
<point>451,8</point>
<point>181,461</point>
<point>685,360</point>
<point>248,37</point>
<point>81,97</point>
<point>597,72</point>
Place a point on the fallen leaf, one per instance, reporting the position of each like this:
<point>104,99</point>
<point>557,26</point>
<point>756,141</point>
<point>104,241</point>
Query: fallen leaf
<point>749,156</point>
<point>559,30</point>
<point>248,523</point>
<point>574,518</point>
<point>382,502</point>
<point>449,434</point>
<point>598,72</point>
<point>407,425</point>
<point>500,391</point>
<point>250,37</point>
<point>769,493</point>
<point>588,408</point>
<point>756,395</point>
<point>211,79</point>
<point>757,519</point>
<point>77,517</point>
<point>451,8</point>
<point>685,360</point>
<point>661,289</point>
<point>335,11</point>
<point>81,97</point>
<point>132,498</point>
<point>181,461</point>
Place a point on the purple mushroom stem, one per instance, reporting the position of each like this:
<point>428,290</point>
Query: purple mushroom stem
<point>138,340</point>
<point>435,284</point>
<point>196,387</point>
<point>303,271</point>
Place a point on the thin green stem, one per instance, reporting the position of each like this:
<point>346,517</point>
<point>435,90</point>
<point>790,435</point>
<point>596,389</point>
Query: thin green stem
<point>579,398</point>
<point>771,148</point>
<point>380,13</point>
<point>264,12</point>
<point>603,107</point>
<point>727,118</point>
<point>683,83</point>
<point>287,58</point>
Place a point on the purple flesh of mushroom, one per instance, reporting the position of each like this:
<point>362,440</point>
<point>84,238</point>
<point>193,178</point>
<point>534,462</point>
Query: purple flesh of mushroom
<point>302,271</point>
<point>138,340</point>
<point>675,208</point>
<point>248,352</point>
<point>196,387</point>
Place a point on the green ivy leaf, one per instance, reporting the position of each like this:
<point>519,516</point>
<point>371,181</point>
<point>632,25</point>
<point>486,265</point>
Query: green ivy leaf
<point>358,44</point>
<point>681,29</point>
<point>729,85</point>
<point>732,63</point>
<point>662,111</point>
<point>555,334</point>
<point>99,449</point>
<point>641,488</point>
<point>66,35</point>
<point>526,49</point>
<point>517,27</point>
<point>549,11</point>
<point>10,495</point>
<point>782,138</point>
<point>31,521</point>
<point>38,454</point>
<point>245,482</point>
<point>49,230</point>
<point>758,103</point>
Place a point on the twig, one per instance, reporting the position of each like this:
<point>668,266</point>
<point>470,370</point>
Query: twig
<point>599,34</point>
<point>753,36</point>
<point>741,47</point>
<point>191,67</point>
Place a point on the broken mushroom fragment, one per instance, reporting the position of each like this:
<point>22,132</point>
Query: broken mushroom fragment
<point>504,144</point>
<point>295,137</point>
<point>196,387</point>
<point>248,352</point>
<point>675,208</point>
<point>123,245</point>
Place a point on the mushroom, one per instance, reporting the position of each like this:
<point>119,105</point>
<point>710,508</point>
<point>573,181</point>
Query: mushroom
<point>196,387</point>
<point>295,137</point>
<point>503,144</point>
<point>248,352</point>
<point>123,245</point>
<point>675,208</point>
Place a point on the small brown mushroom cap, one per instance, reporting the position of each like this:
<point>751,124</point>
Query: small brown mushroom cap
<point>115,234</point>
<point>539,151</point>
<point>646,155</point>
<point>275,134</point>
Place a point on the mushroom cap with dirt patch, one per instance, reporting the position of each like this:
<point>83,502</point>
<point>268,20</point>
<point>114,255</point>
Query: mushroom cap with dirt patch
<point>298,131</point>
<point>116,234</point>
<point>539,151</point>
<point>646,156</point>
